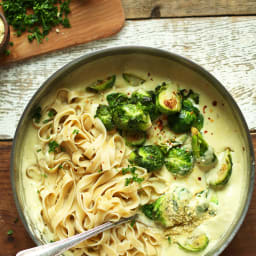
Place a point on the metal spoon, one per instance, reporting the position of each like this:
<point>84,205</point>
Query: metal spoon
<point>56,248</point>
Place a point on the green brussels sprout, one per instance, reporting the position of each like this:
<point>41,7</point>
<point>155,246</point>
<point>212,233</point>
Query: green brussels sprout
<point>189,116</point>
<point>149,157</point>
<point>104,114</point>
<point>221,175</point>
<point>144,97</point>
<point>203,153</point>
<point>190,95</point>
<point>134,139</point>
<point>181,194</point>
<point>116,99</point>
<point>101,85</point>
<point>147,100</point>
<point>133,79</point>
<point>170,209</point>
<point>195,243</point>
<point>168,100</point>
<point>131,117</point>
<point>179,161</point>
<point>205,201</point>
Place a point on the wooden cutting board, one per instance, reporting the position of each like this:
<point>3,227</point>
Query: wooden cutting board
<point>90,20</point>
<point>242,245</point>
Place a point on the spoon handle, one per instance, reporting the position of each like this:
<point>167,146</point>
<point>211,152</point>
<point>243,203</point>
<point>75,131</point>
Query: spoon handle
<point>56,248</point>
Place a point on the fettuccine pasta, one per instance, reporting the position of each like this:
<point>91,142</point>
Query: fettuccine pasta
<point>79,171</point>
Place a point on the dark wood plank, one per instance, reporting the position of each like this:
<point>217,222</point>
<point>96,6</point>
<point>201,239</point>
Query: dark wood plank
<point>20,240</point>
<point>243,244</point>
<point>135,9</point>
<point>90,20</point>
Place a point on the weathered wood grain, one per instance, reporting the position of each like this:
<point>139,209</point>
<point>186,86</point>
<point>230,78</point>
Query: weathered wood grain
<point>135,9</point>
<point>224,46</point>
<point>90,20</point>
<point>9,220</point>
<point>243,244</point>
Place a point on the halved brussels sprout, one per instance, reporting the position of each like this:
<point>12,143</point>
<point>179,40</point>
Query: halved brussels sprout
<point>104,114</point>
<point>203,153</point>
<point>190,94</point>
<point>221,175</point>
<point>116,99</point>
<point>205,201</point>
<point>188,116</point>
<point>134,138</point>
<point>133,80</point>
<point>149,157</point>
<point>147,100</point>
<point>101,85</point>
<point>171,208</point>
<point>131,117</point>
<point>195,243</point>
<point>179,161</point>
<point>168,100</point>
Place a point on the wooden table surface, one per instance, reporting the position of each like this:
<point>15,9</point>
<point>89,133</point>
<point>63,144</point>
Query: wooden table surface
<point>217,34</point>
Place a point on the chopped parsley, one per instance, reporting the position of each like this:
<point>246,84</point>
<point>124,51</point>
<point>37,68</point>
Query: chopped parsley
<point>44,175</point>
<point>36,17</point>
<point>39,150</point>
<point>36,114</point>
<point>52,113</point>
<point>75,131</point>
<point>52,146</point>
<point>169,240</point>
<point>128,181</point>
<point>46,121</point>
<point>10,232</point>
<point>128,169</point>
<point>100,170</point>
<point>16,220</point>
<point>132,223</point>
<point>7,52</point>
<point>60,166</point>
<point>135,176</point>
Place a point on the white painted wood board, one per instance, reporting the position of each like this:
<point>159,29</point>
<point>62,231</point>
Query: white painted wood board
<point>225,46</point>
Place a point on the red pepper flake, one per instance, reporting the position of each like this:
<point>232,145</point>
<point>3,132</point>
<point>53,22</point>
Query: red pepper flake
<point>175,178</point>
<point>149,74</point>
<point>170,103</point>
<point>199,178</point>
<point>128,93</point>
<point>160,124</point>
<point>151,79</point>
<point>204,108</point>
<point>214,103</point>
<point>121,151</point>
<point>205,132</point>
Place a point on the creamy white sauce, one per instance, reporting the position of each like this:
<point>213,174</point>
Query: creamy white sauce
<point>1,30</point>
<point>222,131</point>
